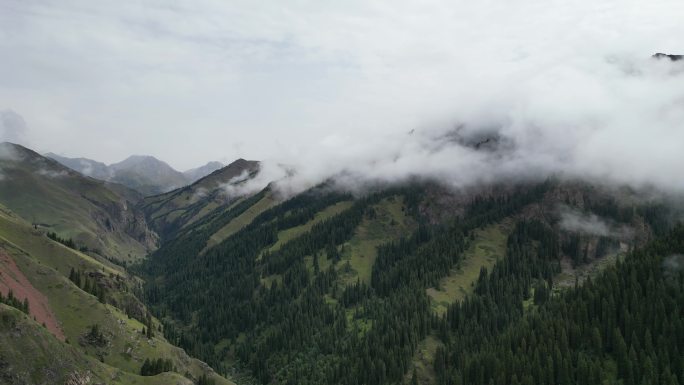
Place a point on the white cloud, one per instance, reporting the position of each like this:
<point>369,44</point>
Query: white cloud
<point>587,223</point>
<point>334,88</point>
<point>53,174</point>
<point>12,127</point>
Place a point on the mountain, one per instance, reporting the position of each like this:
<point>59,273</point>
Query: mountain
<point>387,286</point>
<point>147,174</point>
<point>555,282</point>
<point>170,212</point>
<point>67,318</point>
<point>200,172</point>
<point>87,167</point>
<point>57,199</point>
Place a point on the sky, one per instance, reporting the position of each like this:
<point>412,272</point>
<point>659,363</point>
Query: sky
<point>366,89</point>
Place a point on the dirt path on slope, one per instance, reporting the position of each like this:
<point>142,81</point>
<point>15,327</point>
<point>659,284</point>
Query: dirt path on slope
<point>11,278</point>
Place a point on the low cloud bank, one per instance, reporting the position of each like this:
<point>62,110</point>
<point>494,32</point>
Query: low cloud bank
<point>591,224</point>
<point>614,121</point>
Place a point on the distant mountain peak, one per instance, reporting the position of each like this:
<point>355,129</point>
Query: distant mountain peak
<point>200,172</point>
<point>143,173</point>
<point>144,160</point>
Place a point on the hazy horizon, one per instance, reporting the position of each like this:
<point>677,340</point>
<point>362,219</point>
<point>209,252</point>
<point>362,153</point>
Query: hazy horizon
<point>368,90</point>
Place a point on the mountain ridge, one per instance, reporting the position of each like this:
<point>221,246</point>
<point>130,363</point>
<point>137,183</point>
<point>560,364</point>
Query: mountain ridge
<point>93,213</point>
<point>143,173</point>
<point>169,212</point>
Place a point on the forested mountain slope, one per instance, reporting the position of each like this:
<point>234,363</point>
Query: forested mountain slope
<point>60,200</point>
<point>329,288</point>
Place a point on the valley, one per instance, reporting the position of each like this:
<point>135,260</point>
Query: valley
<point>203,192</point>
<point>321,287</point>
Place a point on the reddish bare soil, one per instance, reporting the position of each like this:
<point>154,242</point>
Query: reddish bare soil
<point>11,278</point>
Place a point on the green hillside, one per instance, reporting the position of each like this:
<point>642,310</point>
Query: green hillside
<point>170,212</point>
<point>57,199</point>
<point>403,284</point>
<point>120,317</point>
<point>26,346</point>
<point>486,248</point>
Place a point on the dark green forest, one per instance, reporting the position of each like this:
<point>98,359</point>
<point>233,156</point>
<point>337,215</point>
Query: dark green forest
<point>303,325</point>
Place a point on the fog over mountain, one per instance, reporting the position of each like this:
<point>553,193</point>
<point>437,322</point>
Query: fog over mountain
<point>364,91</point>
<point>342,193</point>
<point>620,122</point>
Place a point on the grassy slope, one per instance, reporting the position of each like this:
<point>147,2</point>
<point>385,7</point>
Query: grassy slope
<point>44,192</point>
<point>241,221</point>
<point>423,360</point>
<point>26,346</point>
<point>15,230</point>
<point>294,232</point>
<point>358,254</point>
<point>390,223</point>
<point>179,205</point>
<point>184,206</point>
<point>485,249</point>
<point>55,206</point>
<point>45,264</point>
<point>297,231</point>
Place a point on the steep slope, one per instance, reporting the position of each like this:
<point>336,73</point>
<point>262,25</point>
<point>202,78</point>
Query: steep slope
<point>30,355</point>
<point>198,173</point>
<point>65,279</point>
<point>60,200</point>
<point>330,288</point>
<point>147,174</point>
<point>170,212</point>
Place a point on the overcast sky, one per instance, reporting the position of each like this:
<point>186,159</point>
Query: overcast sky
<point>330,83</point>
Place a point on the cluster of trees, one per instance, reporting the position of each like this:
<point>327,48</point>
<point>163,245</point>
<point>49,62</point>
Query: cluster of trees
<point>68,242</point>
<point>532,259</point>
<point>625,326</point>
<point>95,336</point>
<point>295,327</point>
<point>148,329</point>
<point>423,258</point>
<point>156,366</point>
<point>15,302</point>
<point>289,323</point>
<point>204,380</point>
<point>88,284</point>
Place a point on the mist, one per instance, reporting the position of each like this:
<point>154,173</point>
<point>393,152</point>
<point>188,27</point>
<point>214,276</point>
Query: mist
<point>13,127</point>
<point>458,92</point>
<point>618,122</point>
<point>576,221</point>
